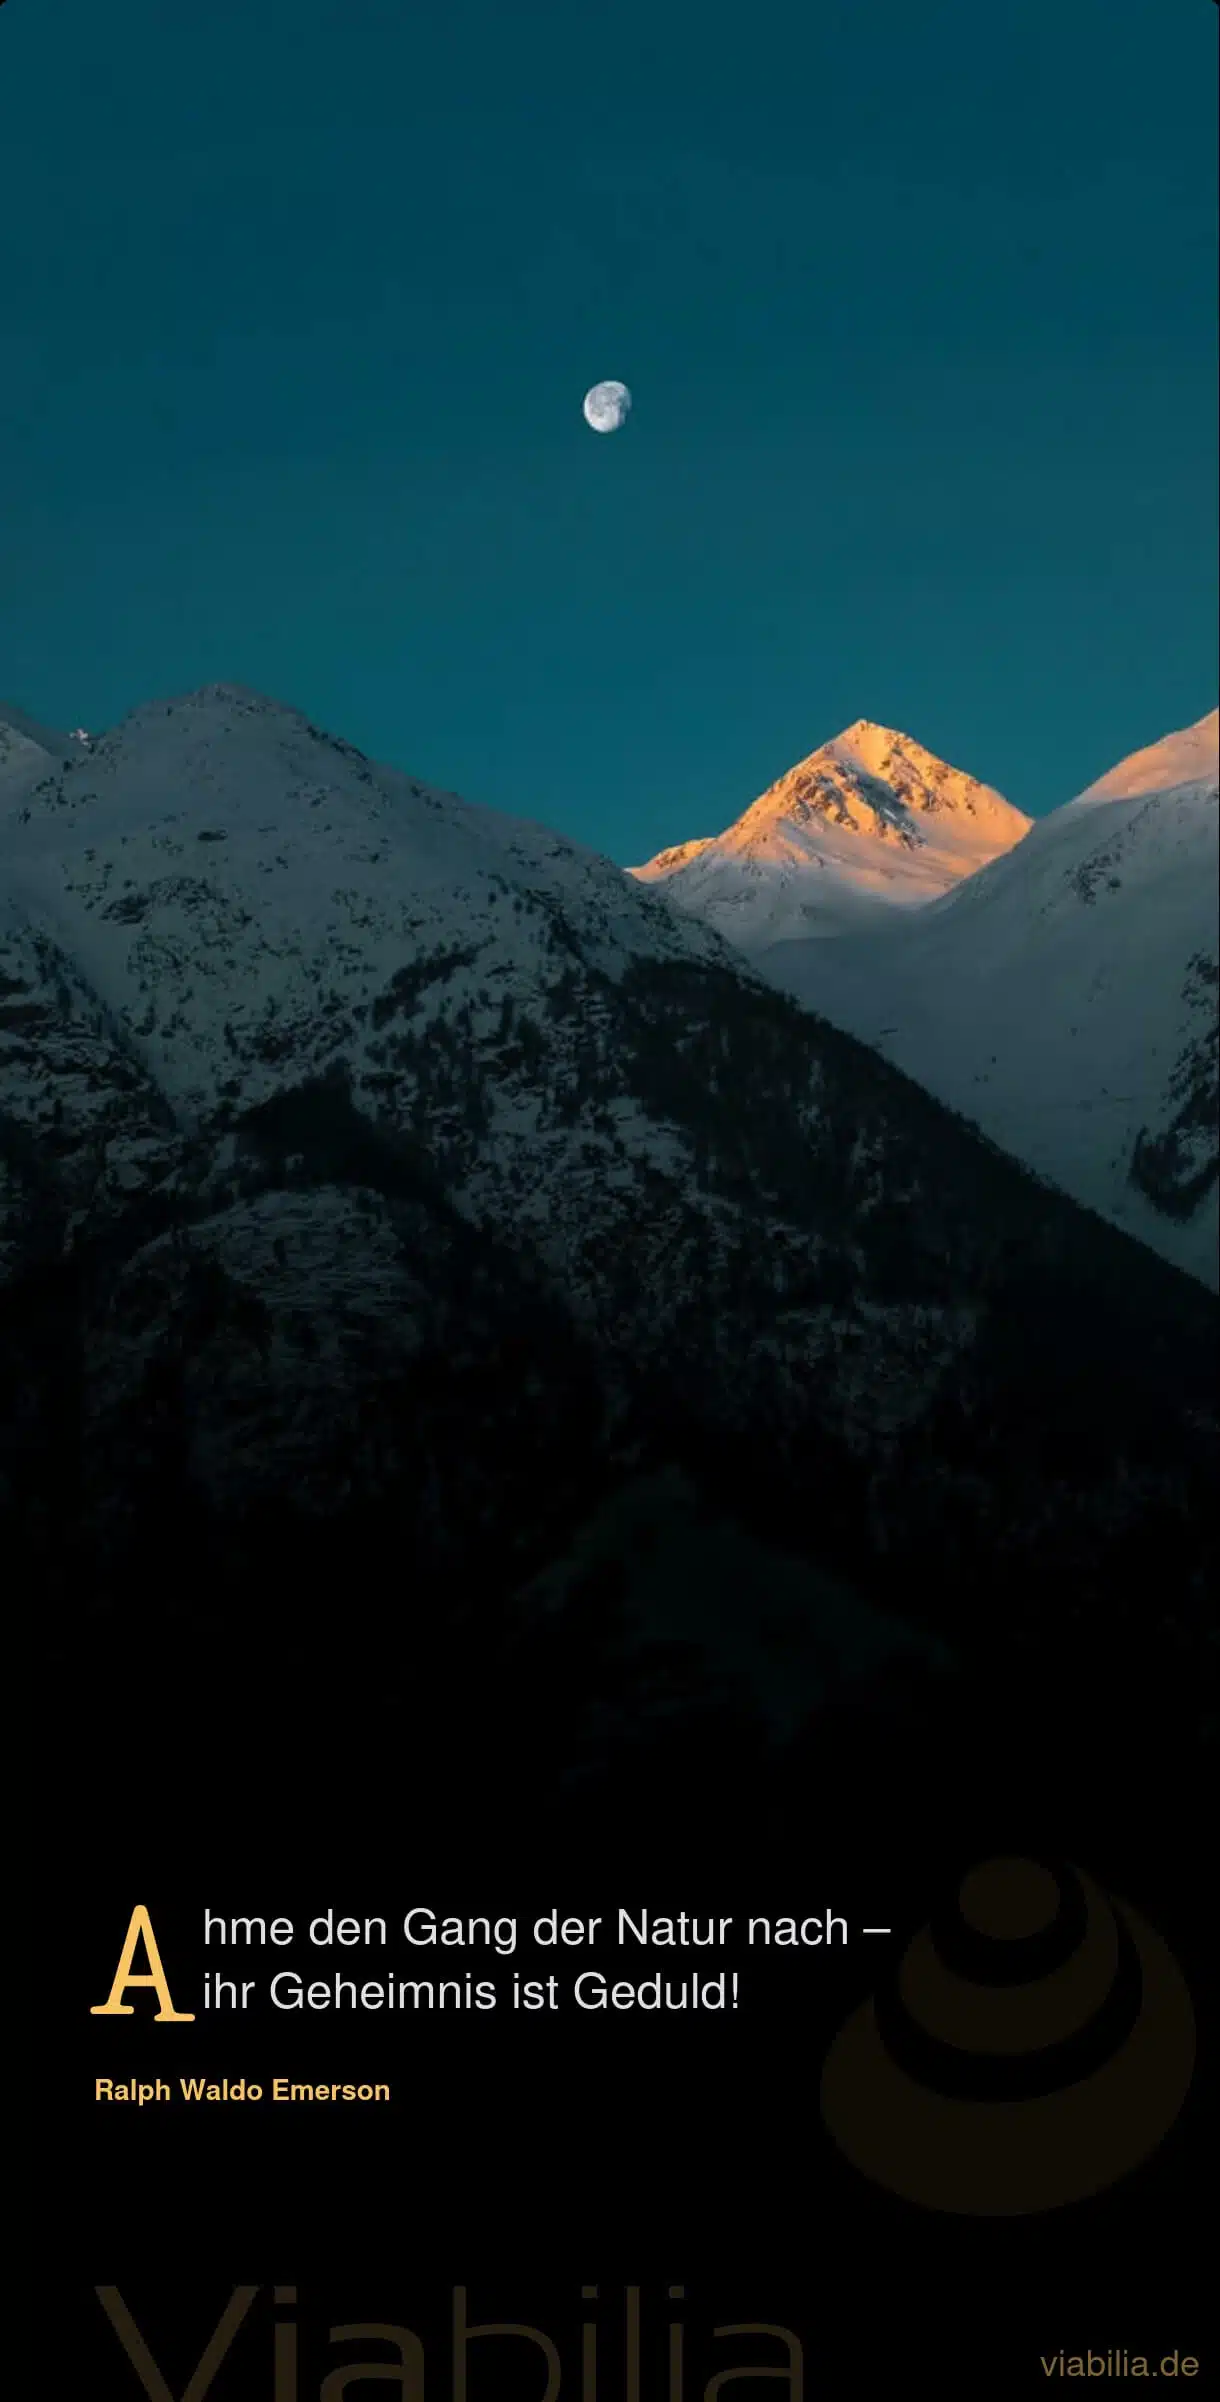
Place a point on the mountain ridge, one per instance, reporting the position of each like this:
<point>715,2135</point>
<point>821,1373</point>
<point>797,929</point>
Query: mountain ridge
<point>1183,757</point>
<point>868,823</point>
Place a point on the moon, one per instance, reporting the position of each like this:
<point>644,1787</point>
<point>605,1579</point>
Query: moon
<point>606,407</point>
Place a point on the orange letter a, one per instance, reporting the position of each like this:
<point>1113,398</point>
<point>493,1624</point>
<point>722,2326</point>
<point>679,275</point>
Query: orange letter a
<point>114,2006</point>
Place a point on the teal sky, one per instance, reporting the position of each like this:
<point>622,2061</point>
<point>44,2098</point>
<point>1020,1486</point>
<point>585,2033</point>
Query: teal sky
<point>916,304</point>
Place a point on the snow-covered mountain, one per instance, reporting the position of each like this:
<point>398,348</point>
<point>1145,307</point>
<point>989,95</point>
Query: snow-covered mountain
<point>869,824</point>
<point>363,1151</point>
<point>237,890</point>
<point>1065,997</point>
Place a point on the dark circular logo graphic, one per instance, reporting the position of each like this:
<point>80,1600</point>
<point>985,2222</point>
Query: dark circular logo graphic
<point>1034,2043</point>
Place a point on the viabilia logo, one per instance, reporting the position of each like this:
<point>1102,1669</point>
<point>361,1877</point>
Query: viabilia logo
<point>642,2361</point>
<point>1033,2045</point>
